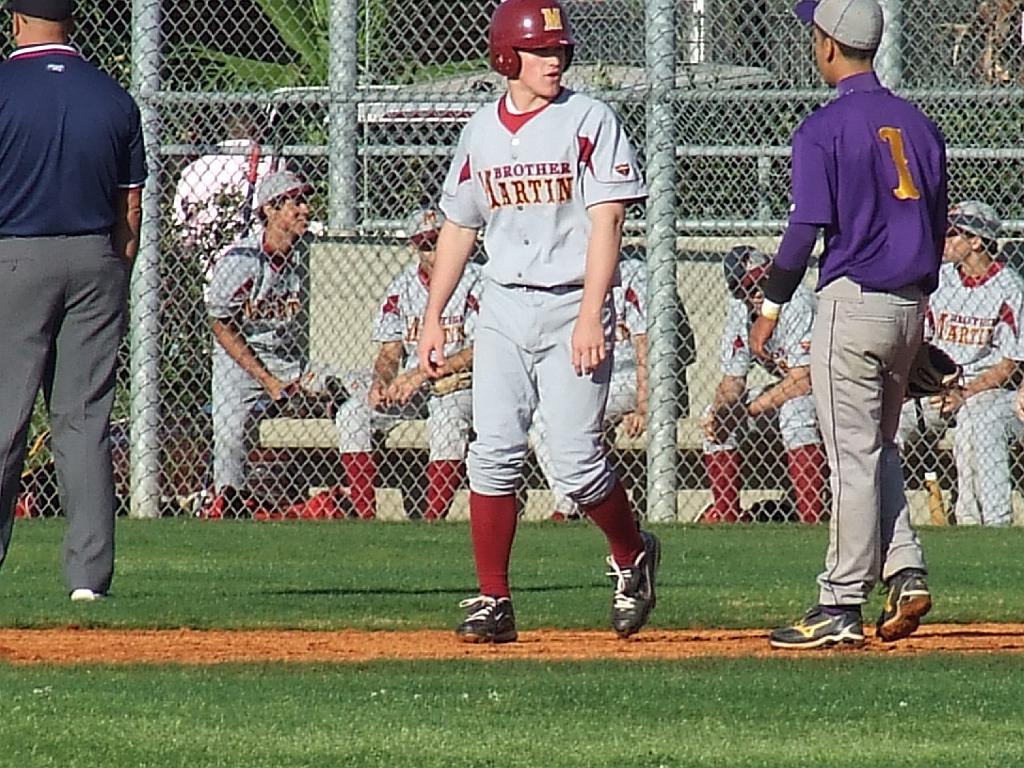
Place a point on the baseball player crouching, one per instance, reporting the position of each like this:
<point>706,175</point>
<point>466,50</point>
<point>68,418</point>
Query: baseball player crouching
<point>396,389</point>
<point>974,316</point>
<point>547,173</point>
<point>627,392</point>
<point>253,302</point>
<point>787,407</point>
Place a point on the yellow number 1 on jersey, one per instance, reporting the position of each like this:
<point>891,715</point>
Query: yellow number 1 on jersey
<point>906,190</point>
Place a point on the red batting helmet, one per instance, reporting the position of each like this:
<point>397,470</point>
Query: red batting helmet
<point>527,25</point>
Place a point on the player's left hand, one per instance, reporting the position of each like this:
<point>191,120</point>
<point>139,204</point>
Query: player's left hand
<point>405,385</point>
<point>635,423</point>
<point>587,345</point>
<point>949,402</point>
<point>1019,406</point>
<point>760,332</point>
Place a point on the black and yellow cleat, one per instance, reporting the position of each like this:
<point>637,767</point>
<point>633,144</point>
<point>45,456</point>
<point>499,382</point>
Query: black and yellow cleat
<point>818,629</point>
<point>906,601</point>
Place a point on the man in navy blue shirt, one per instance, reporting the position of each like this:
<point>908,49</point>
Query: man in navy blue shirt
<point>72,166</point>
<point>870,170</point>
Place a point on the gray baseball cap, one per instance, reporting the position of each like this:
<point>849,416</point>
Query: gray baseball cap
<point>976,217</point>
<point>856,23</point>
<point>280,184</point>
<point>423,225</point>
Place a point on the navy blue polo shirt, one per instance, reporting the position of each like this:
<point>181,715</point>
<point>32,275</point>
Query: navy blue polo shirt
<point>70,138</point>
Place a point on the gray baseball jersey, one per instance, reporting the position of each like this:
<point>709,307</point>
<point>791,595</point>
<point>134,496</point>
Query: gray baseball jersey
<point>264,300</point>
<point>789,347</point>
<point>531,188</point>
<point>405,301</point>
<point>400,318</point>
<point>530,179</point>
<point>976,321</point>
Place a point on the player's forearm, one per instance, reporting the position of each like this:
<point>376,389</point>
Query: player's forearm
<point>993,378</point>
<point>234,344</point>
<point>454,247</point>
<point>459,362</point>
<point>388,361</point>
<point>127,223</point>
<point>790,264</point>
<point>796,383</point>
<point>607,220</point>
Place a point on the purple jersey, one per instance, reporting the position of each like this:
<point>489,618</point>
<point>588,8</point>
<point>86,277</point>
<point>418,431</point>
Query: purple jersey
<point>870,168</point>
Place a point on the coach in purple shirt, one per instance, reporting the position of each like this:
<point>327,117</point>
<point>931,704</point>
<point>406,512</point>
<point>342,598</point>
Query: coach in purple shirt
<point>869,169</point>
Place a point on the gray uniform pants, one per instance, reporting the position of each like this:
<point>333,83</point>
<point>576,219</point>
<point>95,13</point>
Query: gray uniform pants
<point>62,303</point>
<point>861,350</point>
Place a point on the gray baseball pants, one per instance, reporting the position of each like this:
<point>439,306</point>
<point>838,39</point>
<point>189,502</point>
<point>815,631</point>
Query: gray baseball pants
<point>862,347</point>
<point>62,315</point>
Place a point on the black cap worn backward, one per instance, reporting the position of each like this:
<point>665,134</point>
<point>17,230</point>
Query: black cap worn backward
<point>51,10</point>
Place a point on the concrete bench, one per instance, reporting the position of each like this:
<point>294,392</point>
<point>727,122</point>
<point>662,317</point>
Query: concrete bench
<point>347,279</point>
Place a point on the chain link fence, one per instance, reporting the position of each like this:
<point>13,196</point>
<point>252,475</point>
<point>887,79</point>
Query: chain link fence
<point>365,99</point>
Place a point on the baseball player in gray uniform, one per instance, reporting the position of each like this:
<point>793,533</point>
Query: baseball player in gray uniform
<point>974,316</point>
<point>627,392</point>
<point>786,408</point>
<point>548,172</point>
<point>396,389</point>
<point>253,301</point>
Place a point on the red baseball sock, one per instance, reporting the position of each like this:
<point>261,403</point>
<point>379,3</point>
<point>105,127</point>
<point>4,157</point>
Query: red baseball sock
<point>807,473</point>
<point>443,479</point>
<point>361,470</point>
<point>723,468</point>
<point>615,518</point>
<point>492,524</point>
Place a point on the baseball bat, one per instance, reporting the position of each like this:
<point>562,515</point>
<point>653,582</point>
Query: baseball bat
<point>936,505</point>
<point>250,192</point>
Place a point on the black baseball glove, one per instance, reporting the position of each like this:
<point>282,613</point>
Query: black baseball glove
<point>932,373</point>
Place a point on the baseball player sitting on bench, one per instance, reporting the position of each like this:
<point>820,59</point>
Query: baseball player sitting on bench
<point>397,390</point>
<point>627,392</point>
<point>787,407</point>
<point>253,302</point>
<point>974,316</point>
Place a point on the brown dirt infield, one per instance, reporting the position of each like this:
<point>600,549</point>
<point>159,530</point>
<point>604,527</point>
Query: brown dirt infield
<point>188,646</point>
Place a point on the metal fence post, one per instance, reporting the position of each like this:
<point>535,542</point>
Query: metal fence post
<point>145,283</point>
<point>663,314</point>
<point>889,60</point>
<point>344,116</point>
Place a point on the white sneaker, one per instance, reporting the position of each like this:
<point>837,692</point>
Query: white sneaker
<point>85,596</point>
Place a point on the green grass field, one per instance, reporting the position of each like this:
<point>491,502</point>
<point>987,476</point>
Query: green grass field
<point>818,710</point>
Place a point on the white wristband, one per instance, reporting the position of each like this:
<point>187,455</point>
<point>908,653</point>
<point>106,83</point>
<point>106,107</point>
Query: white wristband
<point>770,309</point>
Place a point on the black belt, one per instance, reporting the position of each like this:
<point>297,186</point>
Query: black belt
<point>555,289</point>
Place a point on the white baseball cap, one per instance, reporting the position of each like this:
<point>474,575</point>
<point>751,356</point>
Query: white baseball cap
<point>856,23</point>
<point>280,184</point>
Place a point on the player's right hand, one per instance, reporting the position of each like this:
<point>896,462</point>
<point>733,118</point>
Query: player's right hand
<point>430,349</point>
<point>282,390</point>
<point>375,397</point>
<point>588,345</point>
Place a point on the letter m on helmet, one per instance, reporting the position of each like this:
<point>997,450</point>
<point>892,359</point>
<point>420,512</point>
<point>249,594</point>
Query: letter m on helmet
<point>527,25</point>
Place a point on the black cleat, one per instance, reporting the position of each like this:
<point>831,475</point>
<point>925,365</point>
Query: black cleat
<point>907,600</point>
<point>634,597</point>
<point>489,620</point>
<point>818,629</point>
